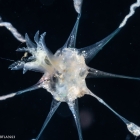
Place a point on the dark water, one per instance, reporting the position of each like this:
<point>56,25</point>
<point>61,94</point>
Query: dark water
<point>24,115</point>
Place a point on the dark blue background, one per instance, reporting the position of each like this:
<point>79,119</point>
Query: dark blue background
<point>24,115</point>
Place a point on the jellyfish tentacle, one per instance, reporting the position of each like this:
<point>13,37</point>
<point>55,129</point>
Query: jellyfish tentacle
<point>78,5</point>
<point>34,87</point>
<point>73,106</point>
<point>55,104</point>
<point>90,52</point>
<point>13,30</point>
<point>4,97</point>
<point>36,37</point>
<point>131,12</point>
<point>71,41</point>
<point>94,73</point>
<point>29,43</point>
<point>132,128</point>
<point>101,101</point>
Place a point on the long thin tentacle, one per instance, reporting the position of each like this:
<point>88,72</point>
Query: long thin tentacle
<point>34,87</point>
<point>78,5</point>
<point>94,73</point>
<point>13,30</point>
<point>133,128</point>
<point>55,104</point>
<point>90,52</point>
<point>131,12</point>
<point>71,41</point>
<point>75,111</point>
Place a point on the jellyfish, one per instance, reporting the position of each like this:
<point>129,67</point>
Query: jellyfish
<point>65,71</point>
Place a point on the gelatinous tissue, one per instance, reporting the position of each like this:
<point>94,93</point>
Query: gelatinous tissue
<point>64,72</point>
